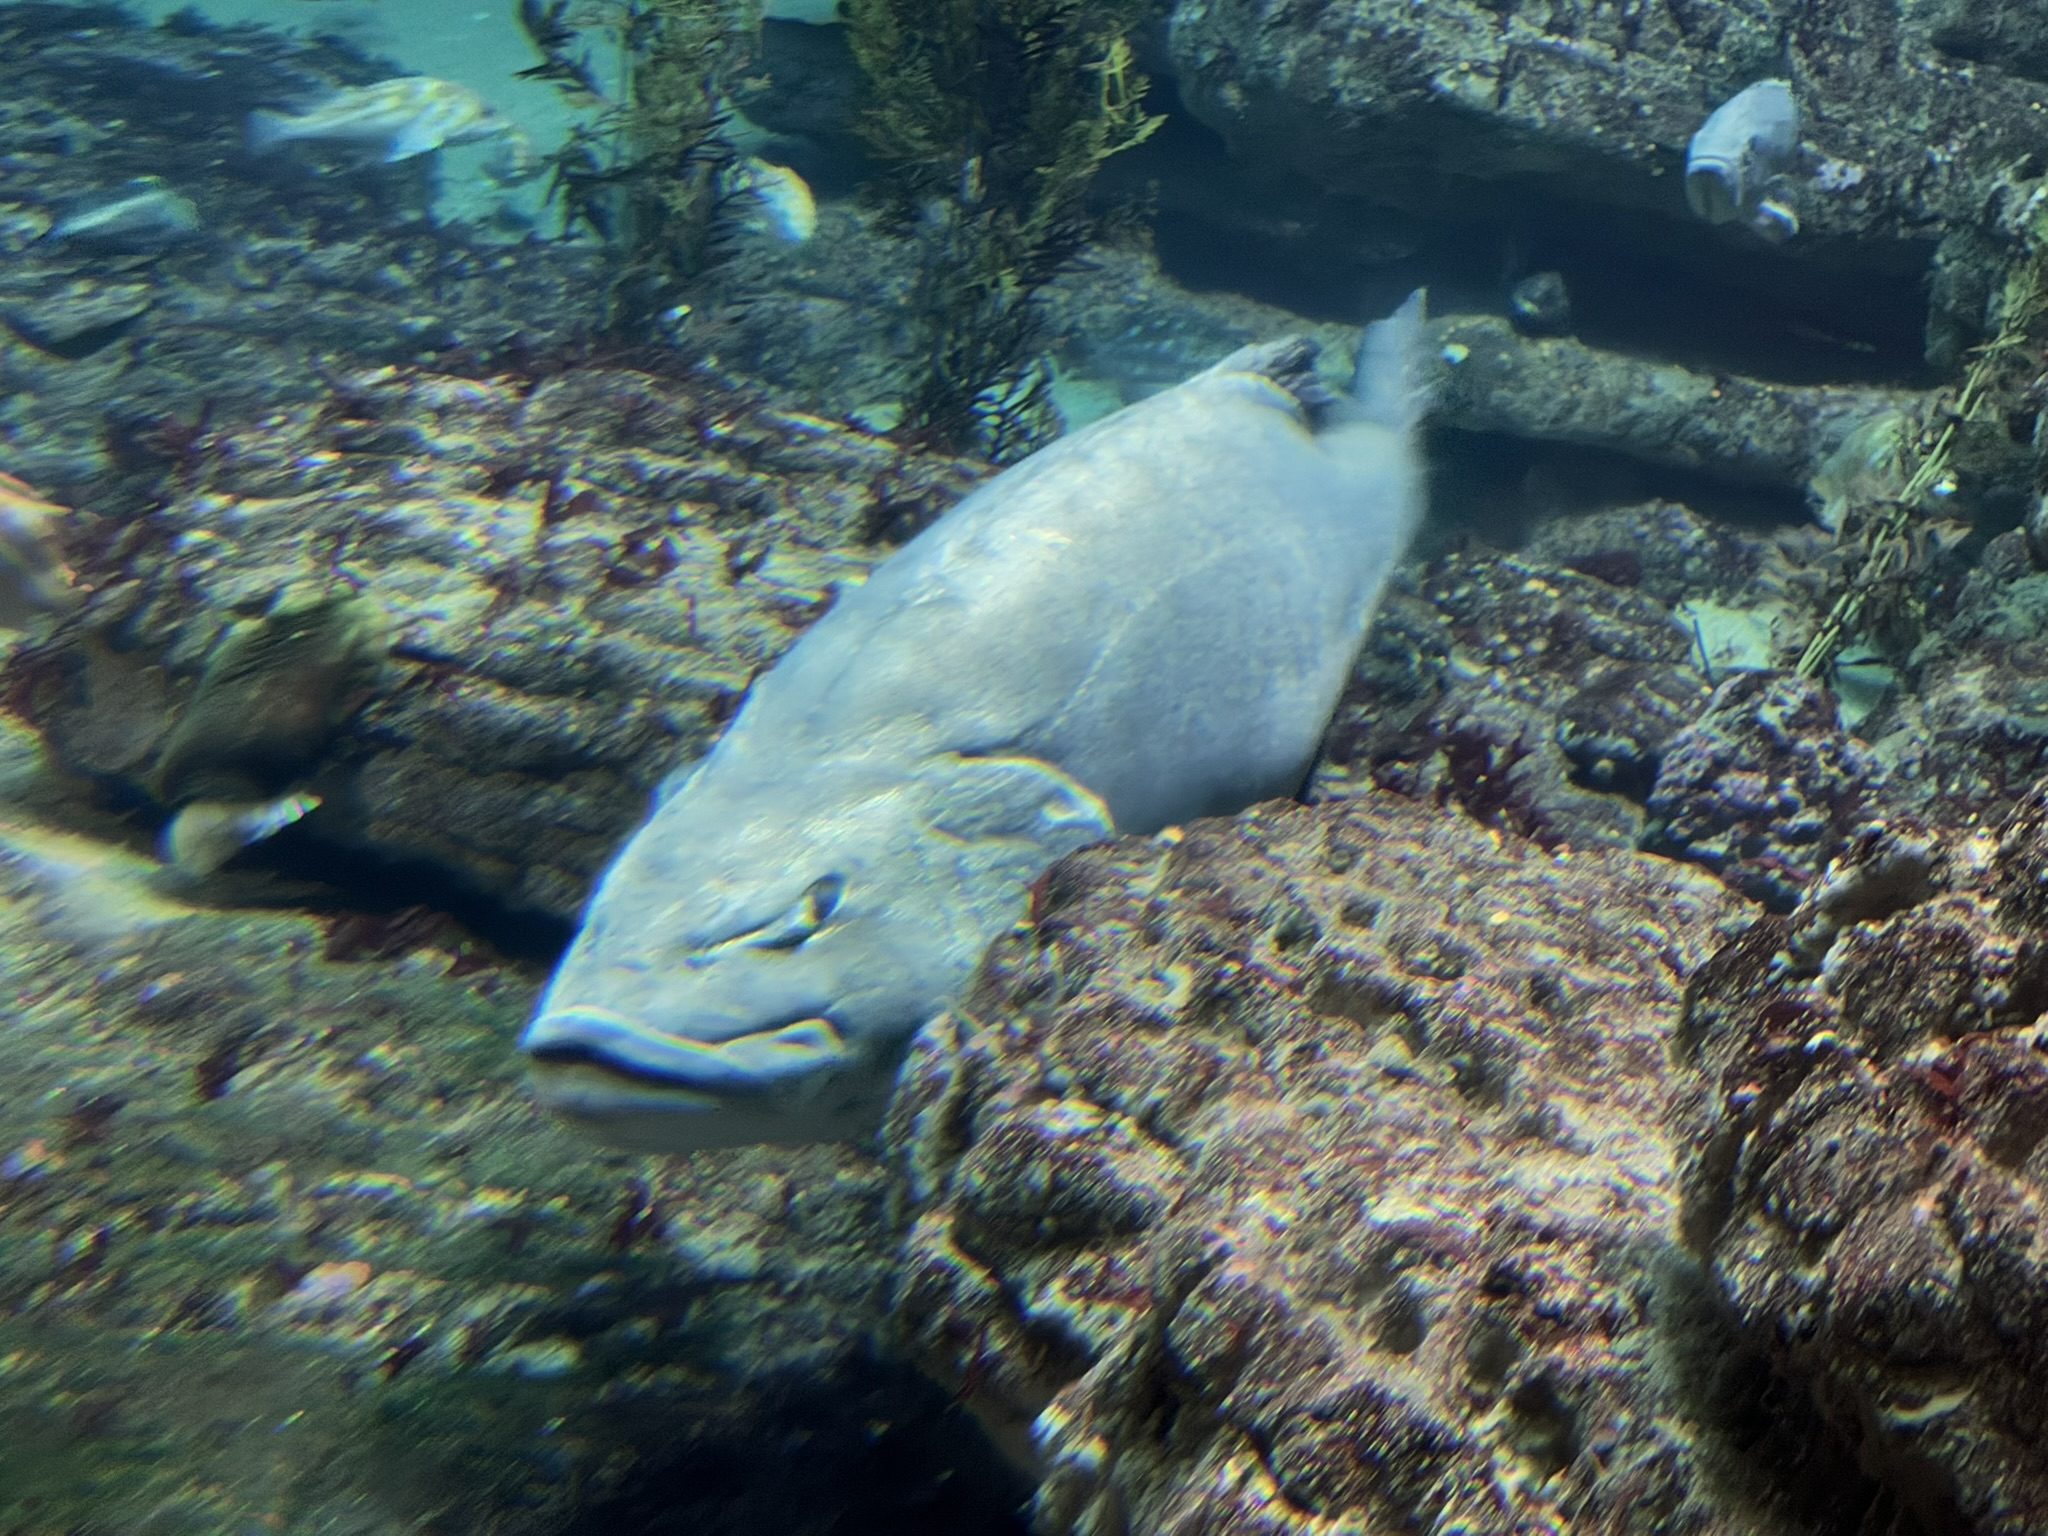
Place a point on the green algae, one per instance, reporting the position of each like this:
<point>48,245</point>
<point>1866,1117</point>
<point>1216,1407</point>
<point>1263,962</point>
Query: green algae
<point>995,116</point>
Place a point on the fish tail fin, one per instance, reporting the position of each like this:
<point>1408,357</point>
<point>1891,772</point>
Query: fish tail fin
<point>266,130</point>
<point>1390,382</point>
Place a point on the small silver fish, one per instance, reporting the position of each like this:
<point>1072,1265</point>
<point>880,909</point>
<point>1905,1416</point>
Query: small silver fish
<point>207,833</point>
<point>1737,166</point>
<point>397,119</point>
<point>148,215</point>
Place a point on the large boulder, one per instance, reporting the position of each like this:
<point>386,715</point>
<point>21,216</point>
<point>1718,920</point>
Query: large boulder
<point>1310,1172</point>
<point>574,578</point>
<point>1867,1158</point>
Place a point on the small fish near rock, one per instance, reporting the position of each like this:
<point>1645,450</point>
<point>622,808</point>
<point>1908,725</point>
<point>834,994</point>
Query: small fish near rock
<point>1148,621</point>
<point>393,120</point>
<point>782,199</point>
<point>1738,166</point>
<point>1540,305</point>
<point>34,581</point>
<point>148,216</point>
<point>207,833</point>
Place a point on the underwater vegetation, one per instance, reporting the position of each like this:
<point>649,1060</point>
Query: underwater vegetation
<point>1883,491</point>
<point>653,175</point>
<point>994,117</point>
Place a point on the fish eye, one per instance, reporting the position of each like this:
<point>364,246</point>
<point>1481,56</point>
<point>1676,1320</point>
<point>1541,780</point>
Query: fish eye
<point>822,899</point>
<point>812,911</point>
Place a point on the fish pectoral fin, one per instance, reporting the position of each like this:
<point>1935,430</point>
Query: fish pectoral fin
<point>1012,800</point>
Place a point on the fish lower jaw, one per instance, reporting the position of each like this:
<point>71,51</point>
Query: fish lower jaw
<point>588,1092</point>
<point>645,1115</point>
<point>778,1058</point>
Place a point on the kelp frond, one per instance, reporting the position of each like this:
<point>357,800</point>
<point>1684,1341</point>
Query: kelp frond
<point>994,117</point>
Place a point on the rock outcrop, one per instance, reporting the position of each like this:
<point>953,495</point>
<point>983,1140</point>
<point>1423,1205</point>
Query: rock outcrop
<point>1867,1158</point>
<point>578,577</point>
<point>1310,1171</point>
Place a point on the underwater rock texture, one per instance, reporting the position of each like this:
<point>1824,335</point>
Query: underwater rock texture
<point>1764,787</point>
<point>1867,1158</point>
<point>578,576</point>
<point>1308,1171</point>
<point>1534,698</point>
<point>284,1245</point>
<point>1556,390</point>
<point>1440,107</point>
<point>109,358</point>
<point>1975,733</point>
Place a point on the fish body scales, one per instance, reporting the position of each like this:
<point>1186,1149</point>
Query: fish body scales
<point>1148,621</point>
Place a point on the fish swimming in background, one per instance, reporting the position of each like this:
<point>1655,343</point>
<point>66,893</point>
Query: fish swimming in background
<point>783,198</point>
<point>147,216</point>
<point>1147,621</point>
<point>1866,469</point>
<point>34,580</point>
<point>394,119</point>
<point>1737,165</point>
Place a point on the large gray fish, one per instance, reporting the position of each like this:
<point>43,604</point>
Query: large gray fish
<point>1147,621</point>
<point>1737,167</point>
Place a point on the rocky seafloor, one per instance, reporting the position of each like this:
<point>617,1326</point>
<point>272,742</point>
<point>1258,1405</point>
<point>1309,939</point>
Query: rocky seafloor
<point>1613,1103</point>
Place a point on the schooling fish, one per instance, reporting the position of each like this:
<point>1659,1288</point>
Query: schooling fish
<point>1737,165</point>
<point>397,119</point>
<point>148,215</point>
<point>1147,621</point>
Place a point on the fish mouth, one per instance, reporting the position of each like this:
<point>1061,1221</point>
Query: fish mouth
<point>1713,189</point>
<point>590,1045</point>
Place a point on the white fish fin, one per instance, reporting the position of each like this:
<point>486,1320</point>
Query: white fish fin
<point>267,130</point>
<point>1390,384</point>
<point>1290,363</point>
<point>415,138</point>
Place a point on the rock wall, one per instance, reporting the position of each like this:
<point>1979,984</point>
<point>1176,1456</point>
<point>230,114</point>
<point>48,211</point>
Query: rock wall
<point>1310,1172</point>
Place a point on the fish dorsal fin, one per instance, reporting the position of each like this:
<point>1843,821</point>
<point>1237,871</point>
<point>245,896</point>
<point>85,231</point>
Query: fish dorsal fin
<point>1290,364</point>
